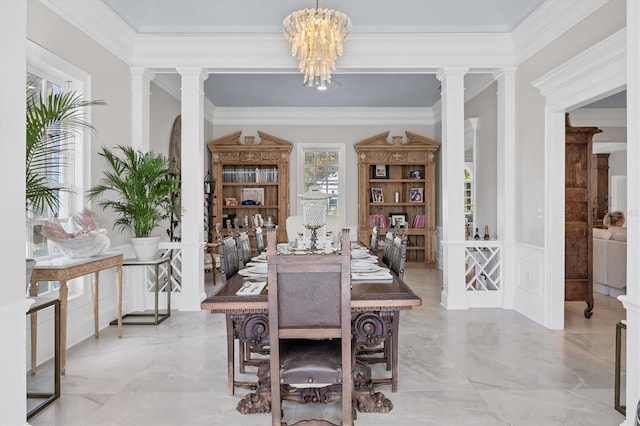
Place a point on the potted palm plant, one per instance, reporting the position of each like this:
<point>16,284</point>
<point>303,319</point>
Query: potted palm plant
<point>144,185</point>
<point>52,124</point>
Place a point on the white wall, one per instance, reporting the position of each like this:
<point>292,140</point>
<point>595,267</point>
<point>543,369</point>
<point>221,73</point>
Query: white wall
<point>110,81</point>
<point>530,109</point>
<point>484,106</point>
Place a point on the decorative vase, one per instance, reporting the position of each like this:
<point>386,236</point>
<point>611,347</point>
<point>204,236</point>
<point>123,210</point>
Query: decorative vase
<point>145,247</point>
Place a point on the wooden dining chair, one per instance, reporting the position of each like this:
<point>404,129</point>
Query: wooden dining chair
<point>310,330</point>
<point>399,255</point>
<point>373,246</point>
<point>243,245</point>
<point>258,237</point>
<point>388,247</point>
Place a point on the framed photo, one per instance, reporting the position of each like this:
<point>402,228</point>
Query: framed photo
<point>230,201</point>
<point>380,171</point>
<point>398,219</point>
<point>416,195</point>
<point>253,194</point>
<point>377,195</point>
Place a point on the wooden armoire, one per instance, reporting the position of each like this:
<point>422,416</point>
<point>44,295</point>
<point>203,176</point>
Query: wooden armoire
<point>578,226</point>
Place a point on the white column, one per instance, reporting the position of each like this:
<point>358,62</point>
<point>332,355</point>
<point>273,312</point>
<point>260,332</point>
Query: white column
<point>140,106</point>
<point>192,175</point>
<point>135,297</point>
<point>13,338</point>
<point>453,292</point>
<point>631,301</point>
<point>506,179</point>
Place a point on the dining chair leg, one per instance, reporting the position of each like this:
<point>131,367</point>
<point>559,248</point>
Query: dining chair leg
<point>243,356</point>
<point>394,351</point>
<point>230,356</point>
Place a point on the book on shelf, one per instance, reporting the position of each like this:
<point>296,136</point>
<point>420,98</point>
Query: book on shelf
<point>377,219</point>
<point>250,175</point>
<point>418,221</point>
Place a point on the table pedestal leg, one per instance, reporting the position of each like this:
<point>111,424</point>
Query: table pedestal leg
<point>394,351</point>
<point>64,293</point>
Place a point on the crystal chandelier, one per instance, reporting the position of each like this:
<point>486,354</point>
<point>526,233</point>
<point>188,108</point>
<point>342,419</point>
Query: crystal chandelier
<point>316,35</point>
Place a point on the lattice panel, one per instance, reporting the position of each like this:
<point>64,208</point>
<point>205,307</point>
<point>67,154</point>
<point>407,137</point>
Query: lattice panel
<point>176,266</point>
<point>483,268</point>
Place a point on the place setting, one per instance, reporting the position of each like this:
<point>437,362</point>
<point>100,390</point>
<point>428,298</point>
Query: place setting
<point>251,288</point>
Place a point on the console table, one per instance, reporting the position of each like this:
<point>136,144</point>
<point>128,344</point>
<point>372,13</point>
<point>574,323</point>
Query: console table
<point>63,269</point>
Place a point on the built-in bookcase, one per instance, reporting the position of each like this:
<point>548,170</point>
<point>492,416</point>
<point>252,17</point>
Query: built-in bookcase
<point>251,177</point>
<point>396,183</point>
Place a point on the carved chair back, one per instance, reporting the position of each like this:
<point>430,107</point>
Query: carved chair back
<point>399,255</point>
<point>229,262</point>
<point>373,247</point>
<point>388,247</point>
<point>258,236</point>
<point>244,247</point>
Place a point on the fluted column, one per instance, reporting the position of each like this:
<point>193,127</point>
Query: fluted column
<point>192,175</point>
<point>453,292</point>
<point>506,130</point>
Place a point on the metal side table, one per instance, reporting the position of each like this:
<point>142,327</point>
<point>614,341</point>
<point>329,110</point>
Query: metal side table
<point>157,317</point>
<point>47,398</point>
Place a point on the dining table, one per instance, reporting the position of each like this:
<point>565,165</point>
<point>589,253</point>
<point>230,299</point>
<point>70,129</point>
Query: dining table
<point>375,305</point>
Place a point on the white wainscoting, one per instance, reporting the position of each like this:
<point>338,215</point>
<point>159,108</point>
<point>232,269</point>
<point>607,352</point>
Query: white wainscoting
<point>529,288</point>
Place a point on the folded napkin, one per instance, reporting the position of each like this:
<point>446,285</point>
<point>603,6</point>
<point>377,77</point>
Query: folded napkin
<point>382,275</point>
<point>251,288</point>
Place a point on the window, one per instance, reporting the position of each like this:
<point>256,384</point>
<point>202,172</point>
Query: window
<point>48,74</point>
<point>322,167</point>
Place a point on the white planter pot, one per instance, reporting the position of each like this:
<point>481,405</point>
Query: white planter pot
<point>145,247</point>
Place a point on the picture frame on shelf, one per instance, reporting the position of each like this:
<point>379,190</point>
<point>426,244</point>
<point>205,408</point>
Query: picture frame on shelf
<point>377,195</point>
<point>398,219</point>
<point>230,201</point>
<point>380,171</point>
<point>416,195</point>
<point>253,194</point>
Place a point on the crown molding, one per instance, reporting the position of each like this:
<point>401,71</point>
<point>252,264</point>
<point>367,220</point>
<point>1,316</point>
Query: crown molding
<point>548,22</point>
<point>600,117</point>
<point>593,74</point>
<point>323,116</point>
<point>99,22</point>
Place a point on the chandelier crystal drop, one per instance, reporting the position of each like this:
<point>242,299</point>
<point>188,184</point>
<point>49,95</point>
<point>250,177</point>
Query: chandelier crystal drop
<point>316,36</point>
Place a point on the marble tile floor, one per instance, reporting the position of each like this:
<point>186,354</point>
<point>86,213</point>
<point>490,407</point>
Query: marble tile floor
<point>473,367</point>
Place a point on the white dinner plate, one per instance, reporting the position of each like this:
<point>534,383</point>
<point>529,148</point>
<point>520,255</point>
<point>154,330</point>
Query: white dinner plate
<point>260,268</point>
<point>359,254</point>
<point>361,267</point>
<point>246,273</point>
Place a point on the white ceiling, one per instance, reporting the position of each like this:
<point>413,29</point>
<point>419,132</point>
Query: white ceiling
<point>367,16</point>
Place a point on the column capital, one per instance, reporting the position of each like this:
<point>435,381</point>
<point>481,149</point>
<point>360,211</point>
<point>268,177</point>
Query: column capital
<point>200,72</point>
<point>445,72</point>
<point>504,72</point>
<point>142,71</point>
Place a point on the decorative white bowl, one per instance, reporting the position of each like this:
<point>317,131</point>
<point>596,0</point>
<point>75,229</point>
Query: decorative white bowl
<point>85,245</point>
